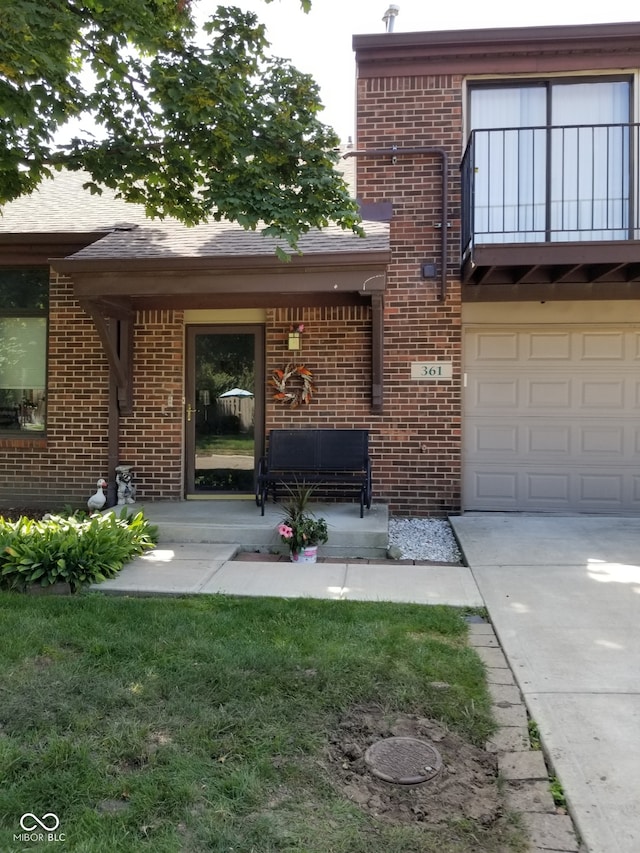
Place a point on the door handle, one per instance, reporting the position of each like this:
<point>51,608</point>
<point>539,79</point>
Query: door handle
<point>189,410</point>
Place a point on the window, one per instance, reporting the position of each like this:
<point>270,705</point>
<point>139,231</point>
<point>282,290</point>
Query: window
<point>24,305</point>
<point>551,160</point>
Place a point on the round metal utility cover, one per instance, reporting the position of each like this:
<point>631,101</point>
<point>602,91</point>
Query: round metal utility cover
<point>403,760</point>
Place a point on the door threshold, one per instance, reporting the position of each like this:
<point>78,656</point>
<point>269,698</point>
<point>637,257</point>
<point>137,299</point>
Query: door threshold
<point>221,497</point>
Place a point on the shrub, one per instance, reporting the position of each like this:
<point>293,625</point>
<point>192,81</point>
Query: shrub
<point>76,549</point>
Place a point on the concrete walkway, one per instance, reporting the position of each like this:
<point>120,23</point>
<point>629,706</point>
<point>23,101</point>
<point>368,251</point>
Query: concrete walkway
<point>189,568</point>
<point>563,594</point>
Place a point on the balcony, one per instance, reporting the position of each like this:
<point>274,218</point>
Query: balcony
<point>552,206</point>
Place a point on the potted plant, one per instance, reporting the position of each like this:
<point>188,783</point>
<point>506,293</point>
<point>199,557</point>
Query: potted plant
<point>300,529</point>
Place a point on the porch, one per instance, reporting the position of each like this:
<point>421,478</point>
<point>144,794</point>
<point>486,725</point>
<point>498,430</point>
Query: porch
<point>238,522</point>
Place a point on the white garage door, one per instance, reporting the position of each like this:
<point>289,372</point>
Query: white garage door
<point>552,419</point>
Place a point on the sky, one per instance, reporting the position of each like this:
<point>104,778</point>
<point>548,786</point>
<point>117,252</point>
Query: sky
<point>320,43</point>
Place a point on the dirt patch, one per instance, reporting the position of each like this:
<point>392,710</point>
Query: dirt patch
<point>465,787</point>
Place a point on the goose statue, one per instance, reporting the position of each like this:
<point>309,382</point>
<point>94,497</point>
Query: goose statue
<point>98,500</point>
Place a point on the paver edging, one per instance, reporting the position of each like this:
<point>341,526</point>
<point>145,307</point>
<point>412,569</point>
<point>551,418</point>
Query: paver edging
<point>524,771</point>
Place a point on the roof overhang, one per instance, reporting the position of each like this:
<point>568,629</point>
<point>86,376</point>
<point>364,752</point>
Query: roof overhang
<point>35,249</point>
<point>202,282</point>
<point>499,50</point>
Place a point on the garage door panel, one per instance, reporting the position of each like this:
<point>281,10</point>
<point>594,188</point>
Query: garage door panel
<point>602,440</point>
<point>548,346</point>
<point>494,438</point>
<point>495,487</point>
<point>492,394</point>
<point>551,491</point>
<point>546,439</point>
<point>601,488</point>
<point>544,490</point>
<point>608,346</point>
<point>548,488</point>
<point>558,426</point>
<point>592,442</point>
<point>547,394</point>
<point>492,346</point>
<point>601,394</point>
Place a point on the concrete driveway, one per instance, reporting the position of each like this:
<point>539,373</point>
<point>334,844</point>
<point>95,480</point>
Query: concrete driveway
<point>563,594</point>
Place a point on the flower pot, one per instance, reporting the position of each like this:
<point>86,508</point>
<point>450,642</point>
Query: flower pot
<point>307,555</point>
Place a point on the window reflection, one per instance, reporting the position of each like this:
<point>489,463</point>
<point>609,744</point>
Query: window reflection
<point>23,349</point>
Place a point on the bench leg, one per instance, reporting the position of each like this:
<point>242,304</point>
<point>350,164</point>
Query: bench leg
<point>261,496</point>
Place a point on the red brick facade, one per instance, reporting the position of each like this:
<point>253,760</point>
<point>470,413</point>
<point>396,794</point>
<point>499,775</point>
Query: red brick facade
<point>62,467</point>
<point>415,440</point>
<point>418,437</point>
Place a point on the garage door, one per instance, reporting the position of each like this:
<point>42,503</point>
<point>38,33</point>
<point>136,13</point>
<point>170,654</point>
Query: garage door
<point>552,419</point>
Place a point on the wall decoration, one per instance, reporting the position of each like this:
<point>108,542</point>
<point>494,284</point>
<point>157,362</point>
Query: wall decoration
<point>293,385</point>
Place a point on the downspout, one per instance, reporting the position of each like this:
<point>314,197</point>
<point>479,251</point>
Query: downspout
<point>436,151</point>
<point>113,430</point>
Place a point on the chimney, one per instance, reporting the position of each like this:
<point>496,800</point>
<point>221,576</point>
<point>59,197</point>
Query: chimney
<point>390,16</point>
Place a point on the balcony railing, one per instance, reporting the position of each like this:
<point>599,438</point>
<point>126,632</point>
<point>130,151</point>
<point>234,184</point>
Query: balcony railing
<point>550,184</point>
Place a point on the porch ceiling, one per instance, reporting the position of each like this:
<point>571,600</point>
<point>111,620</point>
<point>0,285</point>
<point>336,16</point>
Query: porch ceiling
<point>541,264</point>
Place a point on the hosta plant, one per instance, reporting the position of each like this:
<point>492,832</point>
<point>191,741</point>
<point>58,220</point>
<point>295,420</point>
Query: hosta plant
<point>76,549</point>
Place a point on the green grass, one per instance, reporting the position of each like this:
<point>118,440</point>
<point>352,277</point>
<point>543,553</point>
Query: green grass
<point>206,720</point>
<point>228,445</point>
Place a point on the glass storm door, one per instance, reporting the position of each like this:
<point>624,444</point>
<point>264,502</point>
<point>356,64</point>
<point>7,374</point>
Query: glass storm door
<point>223,409</point>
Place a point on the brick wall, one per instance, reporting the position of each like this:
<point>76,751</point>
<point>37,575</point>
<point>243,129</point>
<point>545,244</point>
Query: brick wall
<point>151,438</point>
<point>415,442</point>
<point>417,439</point>
<point>62,468</point>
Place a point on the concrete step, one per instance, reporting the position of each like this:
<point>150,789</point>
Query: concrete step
<point>239,522</point>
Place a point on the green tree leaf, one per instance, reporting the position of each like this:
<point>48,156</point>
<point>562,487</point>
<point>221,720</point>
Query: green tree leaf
<point>189,128</point>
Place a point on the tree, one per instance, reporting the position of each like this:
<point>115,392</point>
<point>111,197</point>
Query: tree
<point>193,131</point>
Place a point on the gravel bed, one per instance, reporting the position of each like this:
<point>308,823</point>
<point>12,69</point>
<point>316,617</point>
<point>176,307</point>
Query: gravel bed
<point>424,539</point>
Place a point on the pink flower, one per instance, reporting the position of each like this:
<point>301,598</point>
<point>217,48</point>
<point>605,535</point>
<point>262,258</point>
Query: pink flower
<point>285,531</point>
<point>301,327</point>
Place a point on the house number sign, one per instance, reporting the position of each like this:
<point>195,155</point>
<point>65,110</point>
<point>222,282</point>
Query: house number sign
<point>431,370</point>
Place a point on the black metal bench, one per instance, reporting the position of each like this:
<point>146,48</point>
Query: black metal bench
<point>333,459</point>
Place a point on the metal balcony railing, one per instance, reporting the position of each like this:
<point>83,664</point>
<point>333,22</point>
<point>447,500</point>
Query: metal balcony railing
<point>550,184</point>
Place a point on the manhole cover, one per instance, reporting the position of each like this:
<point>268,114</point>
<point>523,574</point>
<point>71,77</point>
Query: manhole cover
<point>403,760</point>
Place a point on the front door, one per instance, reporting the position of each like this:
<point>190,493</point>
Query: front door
<point>223,409</point>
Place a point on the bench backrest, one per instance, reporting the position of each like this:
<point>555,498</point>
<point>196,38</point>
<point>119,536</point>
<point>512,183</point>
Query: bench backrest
<point>318,449</point>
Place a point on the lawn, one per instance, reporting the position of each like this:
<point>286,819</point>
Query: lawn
<point>226,724</point>
<point>226,445</point>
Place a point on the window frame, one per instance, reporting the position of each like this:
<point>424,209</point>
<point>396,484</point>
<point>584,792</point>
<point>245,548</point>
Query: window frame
<point>548,83</point>
<point>28,313</point>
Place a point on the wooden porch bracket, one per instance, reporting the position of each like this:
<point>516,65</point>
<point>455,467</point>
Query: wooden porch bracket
<point>114,320</point>
<point>377,353</point>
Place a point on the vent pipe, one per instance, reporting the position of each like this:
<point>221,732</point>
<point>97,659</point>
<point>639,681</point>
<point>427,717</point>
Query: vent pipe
<point>389,17</point>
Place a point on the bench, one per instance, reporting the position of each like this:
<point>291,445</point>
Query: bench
<point>336,459</point>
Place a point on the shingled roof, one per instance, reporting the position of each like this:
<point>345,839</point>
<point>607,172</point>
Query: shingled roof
<point>60,205</point>
<point>171,240</point>
<point>123,231</point>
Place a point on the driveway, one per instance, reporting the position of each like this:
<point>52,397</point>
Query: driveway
<point>563,594</point>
